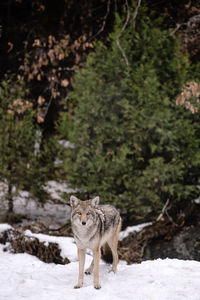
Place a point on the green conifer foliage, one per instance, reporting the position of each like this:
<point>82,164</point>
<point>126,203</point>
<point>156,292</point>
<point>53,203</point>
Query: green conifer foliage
<point>132,145</point>
<point>17,138</point>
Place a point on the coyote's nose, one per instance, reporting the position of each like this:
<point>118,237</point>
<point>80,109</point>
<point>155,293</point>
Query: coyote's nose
<point>83,223</point>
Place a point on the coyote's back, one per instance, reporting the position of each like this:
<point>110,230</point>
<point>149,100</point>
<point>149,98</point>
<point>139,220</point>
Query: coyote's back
<point>93,225</point>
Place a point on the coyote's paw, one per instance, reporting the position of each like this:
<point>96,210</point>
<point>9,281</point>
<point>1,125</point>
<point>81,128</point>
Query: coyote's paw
<point>97,286</point>
<point>77,286</point>
<point>112,270</point>
<point>87,272</point>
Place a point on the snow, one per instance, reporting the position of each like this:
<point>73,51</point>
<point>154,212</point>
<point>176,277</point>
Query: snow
<point>135,228</point>
<point>24,276</point>
<point>67,245</point>
<point>66,144</point>
<point>4,227</point>
<point>51,213</point>
<point>56,189</point>
<point>197,201</point>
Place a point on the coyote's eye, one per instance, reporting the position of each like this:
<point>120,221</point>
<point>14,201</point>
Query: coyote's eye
<point>79,213</point>
<point>88,213</point>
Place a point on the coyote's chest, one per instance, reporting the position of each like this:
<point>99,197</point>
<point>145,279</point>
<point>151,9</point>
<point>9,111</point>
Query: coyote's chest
<point>86,238</point>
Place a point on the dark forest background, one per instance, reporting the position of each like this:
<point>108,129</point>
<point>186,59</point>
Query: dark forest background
<point>118,80</point>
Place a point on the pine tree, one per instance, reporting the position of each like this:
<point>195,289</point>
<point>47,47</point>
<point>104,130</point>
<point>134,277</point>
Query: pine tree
<point>17,138</point>
<point>132,145</point>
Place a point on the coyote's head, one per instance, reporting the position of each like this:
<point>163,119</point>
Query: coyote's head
<point>83,212</point>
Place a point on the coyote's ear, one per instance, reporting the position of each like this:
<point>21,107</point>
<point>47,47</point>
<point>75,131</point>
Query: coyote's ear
<point>95,201</point>
<point>74,201</point>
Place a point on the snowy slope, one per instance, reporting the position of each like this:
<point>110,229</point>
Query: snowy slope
<point>25,277</point>
<point>50,213</point>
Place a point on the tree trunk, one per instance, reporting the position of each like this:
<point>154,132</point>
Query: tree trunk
<point>10,199</point>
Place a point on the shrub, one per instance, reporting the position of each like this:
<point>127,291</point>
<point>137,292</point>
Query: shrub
<point>132,145</point>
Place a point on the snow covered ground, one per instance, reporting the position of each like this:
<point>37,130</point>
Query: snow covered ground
<point>52,214</point>
<point>130,229</point>
<point>23,276</point>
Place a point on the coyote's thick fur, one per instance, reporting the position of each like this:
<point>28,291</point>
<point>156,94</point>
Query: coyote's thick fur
<point>93,225</point>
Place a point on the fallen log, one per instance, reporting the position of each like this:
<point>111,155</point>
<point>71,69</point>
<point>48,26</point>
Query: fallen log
<point>151,242</point>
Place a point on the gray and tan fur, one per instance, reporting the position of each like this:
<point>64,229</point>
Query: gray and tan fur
<point>94,225</point>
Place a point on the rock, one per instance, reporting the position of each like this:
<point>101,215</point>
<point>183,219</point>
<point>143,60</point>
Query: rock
<point>183,245</point>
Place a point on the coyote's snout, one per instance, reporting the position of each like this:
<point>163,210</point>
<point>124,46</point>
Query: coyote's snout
<point>93,225</point>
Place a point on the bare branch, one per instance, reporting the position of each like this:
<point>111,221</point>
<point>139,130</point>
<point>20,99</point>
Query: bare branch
<point>123,28</point>
<point>164,210</point>
<point>194,19</point>
<point>104,22</point>
<point>136,12</point>
<point>175,30</point>
<point>170,219</point>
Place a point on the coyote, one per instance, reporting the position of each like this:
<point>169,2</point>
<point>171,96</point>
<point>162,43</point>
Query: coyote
<point>94,225</point>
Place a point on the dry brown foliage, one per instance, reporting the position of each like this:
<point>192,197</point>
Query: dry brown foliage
<point>50,63</point>
<point>190,93</point>
<point>18,242</point>
<point>19,107</point>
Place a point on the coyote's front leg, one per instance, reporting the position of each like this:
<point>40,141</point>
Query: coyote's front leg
<point>81,259</point>
<point>96,254</point>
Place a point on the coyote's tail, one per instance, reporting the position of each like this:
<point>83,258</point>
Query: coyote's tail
<point>106,254</point>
